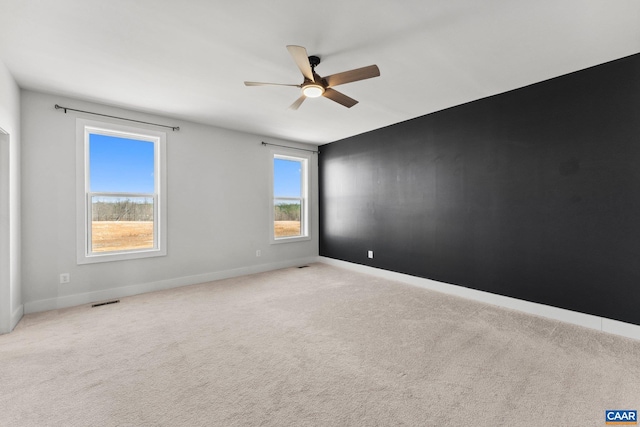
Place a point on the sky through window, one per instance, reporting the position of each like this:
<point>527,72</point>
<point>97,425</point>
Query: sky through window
<point>287,178</point>
<point>120,164</point>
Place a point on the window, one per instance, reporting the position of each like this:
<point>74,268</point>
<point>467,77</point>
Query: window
<point>289,202</point>
<point>121,203</point>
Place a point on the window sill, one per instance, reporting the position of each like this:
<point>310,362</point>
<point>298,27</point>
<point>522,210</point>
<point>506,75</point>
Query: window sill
<point>280,240</point>
<point>119,256</point>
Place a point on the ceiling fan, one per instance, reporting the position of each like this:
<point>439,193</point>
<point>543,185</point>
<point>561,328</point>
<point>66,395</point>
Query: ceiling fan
<point>314,86</point>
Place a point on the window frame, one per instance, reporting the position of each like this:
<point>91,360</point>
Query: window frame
<point>305,208</point>
<point>84,196</point>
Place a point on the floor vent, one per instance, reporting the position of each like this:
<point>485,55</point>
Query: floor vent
<point>115,301</point>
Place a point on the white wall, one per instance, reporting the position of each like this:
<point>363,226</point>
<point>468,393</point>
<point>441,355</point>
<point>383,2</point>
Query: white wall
<point>218,209</point>
<point>11,308</point>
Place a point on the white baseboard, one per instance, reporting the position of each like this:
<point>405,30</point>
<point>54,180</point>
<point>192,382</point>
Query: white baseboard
<point>125,291</point>
<point>573,317</point>
<point>9,323</point>
<point>568,316</point>
<point>16,316</point>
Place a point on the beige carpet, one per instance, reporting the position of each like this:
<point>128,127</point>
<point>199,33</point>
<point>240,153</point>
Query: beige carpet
<point>318,346</point>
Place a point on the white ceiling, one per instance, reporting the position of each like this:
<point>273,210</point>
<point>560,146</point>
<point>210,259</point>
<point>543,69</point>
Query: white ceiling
<point>188,59</point>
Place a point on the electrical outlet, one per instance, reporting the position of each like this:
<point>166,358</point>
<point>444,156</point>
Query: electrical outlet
<point>65,278</point>
<point>258,253</point>
<point>370,254</point>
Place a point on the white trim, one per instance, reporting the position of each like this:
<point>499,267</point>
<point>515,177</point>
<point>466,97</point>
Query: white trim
<point>568,316</point>
<point>16,316</point>
<point>83,129</point>
<point>125,291</point>
<point>305,160</point>
<point>598,323</point>
<point>620,328</point>
<point>5,233</point>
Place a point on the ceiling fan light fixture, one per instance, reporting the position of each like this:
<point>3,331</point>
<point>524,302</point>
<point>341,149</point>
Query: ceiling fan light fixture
<point>312,91</point>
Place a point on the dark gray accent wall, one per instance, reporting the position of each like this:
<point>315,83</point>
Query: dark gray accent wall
<point>532,194</point>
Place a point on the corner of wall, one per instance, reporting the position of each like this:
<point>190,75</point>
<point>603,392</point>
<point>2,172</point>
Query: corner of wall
<point>10,122</point>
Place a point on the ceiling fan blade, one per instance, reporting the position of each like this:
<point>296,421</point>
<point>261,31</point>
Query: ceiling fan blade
<point>268,84</point>
<point>339,97</point>
<point>352,76</point>
<point>298,102</point>
<point>301,58</point>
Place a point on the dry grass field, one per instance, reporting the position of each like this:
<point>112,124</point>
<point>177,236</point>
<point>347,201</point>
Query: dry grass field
<point>286,228</point>
<point>121,235</point>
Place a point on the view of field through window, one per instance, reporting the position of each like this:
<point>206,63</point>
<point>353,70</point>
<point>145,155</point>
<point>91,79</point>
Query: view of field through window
<point>287,202</point>
<point>122,186</point>
<point>286,219</point>
<point>121,224</point>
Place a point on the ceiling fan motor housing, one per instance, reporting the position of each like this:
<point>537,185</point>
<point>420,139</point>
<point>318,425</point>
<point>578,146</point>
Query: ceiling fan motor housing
<point>314,61</point>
